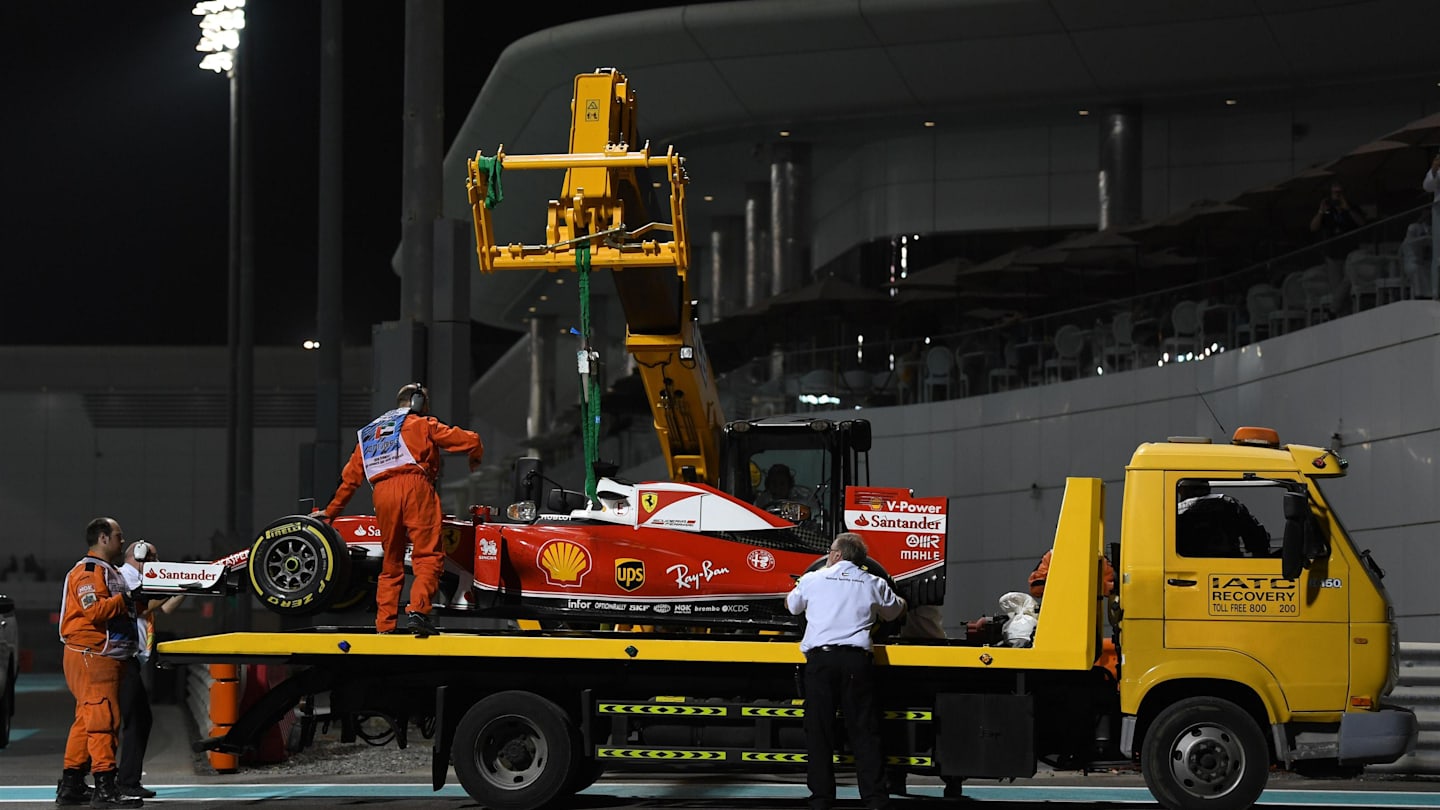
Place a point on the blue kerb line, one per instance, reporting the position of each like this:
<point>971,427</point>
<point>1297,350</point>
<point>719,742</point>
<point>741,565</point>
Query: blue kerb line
<point>653,790</point>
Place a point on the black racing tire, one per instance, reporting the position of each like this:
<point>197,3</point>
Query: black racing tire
<point>1205,753</point>
<point>299,566</point>
<point>515,751</point>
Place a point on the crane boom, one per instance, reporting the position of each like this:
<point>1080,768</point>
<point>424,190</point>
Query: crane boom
<point>602,194</point>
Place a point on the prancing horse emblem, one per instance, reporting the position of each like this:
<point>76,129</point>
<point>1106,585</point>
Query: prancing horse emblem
<point>649,500</point>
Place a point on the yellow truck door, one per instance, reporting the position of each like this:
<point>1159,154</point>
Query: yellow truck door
<point>1224,590</point>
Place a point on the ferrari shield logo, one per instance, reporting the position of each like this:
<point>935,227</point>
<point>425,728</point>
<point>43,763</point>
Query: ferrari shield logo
<point>648,501</point>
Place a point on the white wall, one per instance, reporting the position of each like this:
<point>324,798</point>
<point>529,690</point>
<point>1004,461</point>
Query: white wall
<point>1370,377</point>
<point>166,485</point>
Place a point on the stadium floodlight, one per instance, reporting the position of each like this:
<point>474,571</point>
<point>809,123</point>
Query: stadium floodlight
<point>221,22</point>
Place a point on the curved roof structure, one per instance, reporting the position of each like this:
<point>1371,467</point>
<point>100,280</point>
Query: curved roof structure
<point>718,78</point>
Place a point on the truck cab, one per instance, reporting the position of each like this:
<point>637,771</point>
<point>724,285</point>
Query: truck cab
<point>1256,598</point>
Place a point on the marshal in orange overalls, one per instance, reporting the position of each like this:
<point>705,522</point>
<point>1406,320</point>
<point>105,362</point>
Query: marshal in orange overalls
<point>407,510</point>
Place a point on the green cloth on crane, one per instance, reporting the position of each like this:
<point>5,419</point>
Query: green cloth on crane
<point>591,418</point>
<point>494,194</point>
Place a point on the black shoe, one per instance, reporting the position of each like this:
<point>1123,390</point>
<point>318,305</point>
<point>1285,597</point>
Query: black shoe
<point>71,790</point>
<point>107,795</point>
<point>420,624</point>
<point>136,789</point>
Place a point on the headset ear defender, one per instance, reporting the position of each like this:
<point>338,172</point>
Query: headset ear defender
<point>419,398</point>
<point>141,550</point>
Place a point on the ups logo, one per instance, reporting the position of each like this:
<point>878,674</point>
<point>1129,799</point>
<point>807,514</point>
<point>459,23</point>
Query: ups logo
<point>629,573</point>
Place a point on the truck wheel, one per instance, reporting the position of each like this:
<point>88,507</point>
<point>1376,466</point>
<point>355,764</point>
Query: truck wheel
<point>299,566</point>
<point>1205,753</point>
<point>514,751</point>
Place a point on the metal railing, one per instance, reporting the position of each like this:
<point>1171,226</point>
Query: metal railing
<point>1378,263</point>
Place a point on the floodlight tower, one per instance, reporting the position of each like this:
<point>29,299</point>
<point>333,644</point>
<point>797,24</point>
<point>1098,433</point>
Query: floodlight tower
<point>221,24</point>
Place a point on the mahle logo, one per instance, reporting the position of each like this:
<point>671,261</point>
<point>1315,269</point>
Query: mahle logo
<point>629,573</point>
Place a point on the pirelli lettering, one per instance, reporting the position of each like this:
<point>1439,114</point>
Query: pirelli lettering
<point>666,710</point>
<point>1250,595</point>
<point>658,753</point>
<point>766,711</point>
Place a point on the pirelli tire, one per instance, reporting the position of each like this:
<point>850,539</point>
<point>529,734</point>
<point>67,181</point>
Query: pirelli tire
<point>516,750</point>
<point>1205,753</point>
<point>299,566</point>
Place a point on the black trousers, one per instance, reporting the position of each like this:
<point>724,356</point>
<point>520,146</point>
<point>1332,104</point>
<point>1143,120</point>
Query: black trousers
<point>135,722</point>
<point>842,676</point>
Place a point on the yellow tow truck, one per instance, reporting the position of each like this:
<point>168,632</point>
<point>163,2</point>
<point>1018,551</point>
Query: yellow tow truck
<point>1231,658</point>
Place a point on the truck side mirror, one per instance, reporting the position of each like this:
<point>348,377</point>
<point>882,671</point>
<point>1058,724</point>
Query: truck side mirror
<point>1292,553</point>
<point>1303,543</point>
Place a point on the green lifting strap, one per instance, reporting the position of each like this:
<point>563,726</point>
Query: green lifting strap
<point>494,194</point>
<point>591,420</point>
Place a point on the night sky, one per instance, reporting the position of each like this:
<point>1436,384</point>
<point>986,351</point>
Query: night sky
<point>115,149</point>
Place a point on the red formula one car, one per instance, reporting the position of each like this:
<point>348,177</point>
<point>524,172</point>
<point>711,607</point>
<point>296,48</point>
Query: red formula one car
<point>643,553</point>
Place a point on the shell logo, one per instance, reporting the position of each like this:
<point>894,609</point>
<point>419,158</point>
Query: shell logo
<point>565,563</point>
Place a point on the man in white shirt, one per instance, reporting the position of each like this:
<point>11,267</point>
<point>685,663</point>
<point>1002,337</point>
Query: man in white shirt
<point>841,603</point>
<point>135,715</point>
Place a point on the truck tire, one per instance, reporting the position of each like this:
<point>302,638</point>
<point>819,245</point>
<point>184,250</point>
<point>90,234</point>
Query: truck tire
<point>514,751</point>
<point>299,566</point>
<point>1205,753</point>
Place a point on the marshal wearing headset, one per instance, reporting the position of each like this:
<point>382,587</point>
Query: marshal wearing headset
<point>399,454</point>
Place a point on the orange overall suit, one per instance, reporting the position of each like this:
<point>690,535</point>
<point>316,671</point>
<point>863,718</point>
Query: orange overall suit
<point>99,633</point>
<point>407,508</point>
